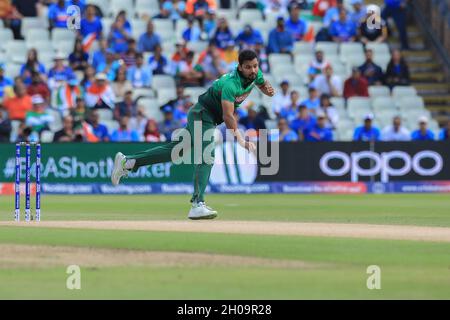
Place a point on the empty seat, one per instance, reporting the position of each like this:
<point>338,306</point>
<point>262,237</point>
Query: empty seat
<point>57,123</point>
<point>165,95</point>
<point>304,48</point>
<point>143,93</point>
<point>163,81</point>
<point>117,5</point>
<point>379,91</point>
<point>407,104</point>
<point>29,23</point>
<point>147,8</point>
<point>400,91</point>
<point>382,60</point>
<point>384,103</point>
<point>65,47</point>
<point>59,34</point>
<point>47,136</point>
<point>338,102</point>
<point>16,50</point>
<point>105,114</point>
<point>228,14</point>
<point>5,36</point>
<point>295,80</point>
<point>351,48</point>
<point>162,24</point>
<point>38,34</point>
<point>279,59</point>
<point>197,46</point>
<point>103,5</point>
<point>353,60</point>
<point>250,15</point>
<point>194,92</point>
<point>357,105</point>
<point>379,48</point>
<point>328,48</point>
<point>12,70</point>
<point>111,125</point>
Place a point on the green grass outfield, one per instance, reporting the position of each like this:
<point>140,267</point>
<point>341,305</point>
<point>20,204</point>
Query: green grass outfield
<point>409,269</point>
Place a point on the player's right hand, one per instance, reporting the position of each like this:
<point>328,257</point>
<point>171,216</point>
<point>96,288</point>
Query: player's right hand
<point>250,146</point>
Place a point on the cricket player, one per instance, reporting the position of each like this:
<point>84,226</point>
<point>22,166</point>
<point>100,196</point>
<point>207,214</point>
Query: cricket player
<point>215,106</point>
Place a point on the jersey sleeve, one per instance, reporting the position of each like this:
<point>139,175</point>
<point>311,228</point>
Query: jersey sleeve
<point>260,78</point>
<point>228,93</point>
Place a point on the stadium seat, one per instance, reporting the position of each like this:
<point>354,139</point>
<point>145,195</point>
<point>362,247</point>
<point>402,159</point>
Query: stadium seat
<point>328,48</point>
<point>228,14</point>
<point>351,48</point>
<point>295,80</point>
<point>111,125</point>
<point>379,48</point>
<point>105,114</point>
<point>138,27</point>
<point>57,123</point>
<point>383,103</point>
<point>382,60</point>
<point>148,8</point>
<point>353,60</point>
<point>65,47</point>
<point>194,92</point>
<point>339,103</point>
<point>250,15</point>
<point>5,36</point>
<point>302,48</point>
<point>162,24</point>
<point>106,23</point>
<point>166,94</point>
<point>16,51</point>
<point>29,23</point>
<point>38,34</point>
<point>143,93</point>
<point>47,136</point>
<point>271,124</point>
<point>400,91</point>
<point>236,26</point>
<point>118,5</point>
<point>151,109</point>
<point>279,70</point>
<point>163,81</point>
<point>43,47</point>
<point>167,35</point>
<point>379,91</point>
<point>407,104</point>
<point>197,46</point>
<point>261,26</point>
<point>15,124</point>
<point>279,59</point>
<point>302,91</point>
<point>357,106</point>
<point>59,34</point>
<point>103,5</point>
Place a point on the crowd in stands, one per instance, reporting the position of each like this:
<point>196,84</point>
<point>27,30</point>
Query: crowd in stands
<point>109,64</point>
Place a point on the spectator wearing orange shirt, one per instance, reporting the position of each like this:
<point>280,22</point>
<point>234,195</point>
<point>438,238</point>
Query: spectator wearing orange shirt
<point>20,104</point>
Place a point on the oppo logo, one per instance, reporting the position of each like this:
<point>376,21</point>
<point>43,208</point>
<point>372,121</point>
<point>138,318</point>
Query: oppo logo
<point>380,164</point>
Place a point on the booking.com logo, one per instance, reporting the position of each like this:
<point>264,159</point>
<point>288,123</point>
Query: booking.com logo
<point>373,21</point>
<point>74,19</point>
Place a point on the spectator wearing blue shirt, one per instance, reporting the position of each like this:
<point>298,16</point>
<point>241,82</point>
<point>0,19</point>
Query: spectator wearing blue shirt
<point>209,23</point>
<point>248,37</point>
<point>148,40</point>
<point>173,9</point>
<point>100,130</point>
<point>5,82</point>
<point>31,65</point>
<point>367,132</point>
<point>78,59</point>
<point>57,14</point>
<point>284,133</point>
<point>397,10</point>
<point>423,133</point>
<point>223,34</point>
<point>110,65</point>
<point>140,75</point>
<point>289,112</point>
<point>445,132</point>
<point>281,40</point>
<point>90,27</point>
<point>124,134</point>
<point>158,63</point>
<point>59,73</point>
<point>313,101</point>
<point>343,30</point>
<point>303,122</point>
<point>332,14</point>
<point>359,11</point>
<point>297,26</point>
<point>120,33</point>
<point>319,131</point>
<point>169,123</point>
<point>371,71</point>
<point>252,120</point>
<point>192,33</point>
<point>99,56</point>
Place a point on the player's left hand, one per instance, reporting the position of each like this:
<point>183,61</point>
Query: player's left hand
<point>270,91</point>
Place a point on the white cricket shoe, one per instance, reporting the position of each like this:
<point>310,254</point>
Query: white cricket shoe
<point>200,211</point>
<point>119,170</point>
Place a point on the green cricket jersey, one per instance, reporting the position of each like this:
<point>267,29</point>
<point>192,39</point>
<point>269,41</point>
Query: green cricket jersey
<point>229,87</point>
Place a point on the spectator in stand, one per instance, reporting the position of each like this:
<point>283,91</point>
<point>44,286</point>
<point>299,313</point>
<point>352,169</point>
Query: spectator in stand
<point>78,59</point>
<point>181,52</point>
<point>396,132</point>
<point>189,73</point>
<point>66,96</point>
<point>79,3</point>
<point>281,40</point>
<point>38,86</point>
<point>60,73</point>
<point>397,10</point>
<point>158,62</point>
<point>172,9</point>
<point>38,118</point>
<point>281,99</point>
<point>99,56</point>
<point>99,130</point>
<point>110,66</point>
<point>321,7</point>
<point>275,7</point>
<point>290,111</point>
<point>6,83</point>
<point>397,73</point>
<point>139,122</point>
<point>356,85</point>
<point>359,11</point>
<point>57,14</point>
<point>180,105</point>
<point>121,84</point>
<point>100,95</point>
<point>151,133</point>
<point>302,122</point>
<point>328,83</point>
<point>252,120</point>
<point>88,78</point>
<point>213,68</point>
<point>332,14</point>
<point>168,125</point>
<point>5,127</point>
<point>28,8</point>
<point>209,24</point>
<point>230,56</point>
<point>445,132</point>
<point>79,113</point>
<point>313,101</point>
<point>31,65</point>
<point>124,134</point>
<point>198,8</point>
<point>297,26</point>
<point>129,56</point>
<point>371,71</point>
<point>149,39</point>
<point>248,37</point>
<point>366,31</point>
<point>192,33</point>
<point>127,108</point>
<point>23,134</point>
<point>140,75</point>
<point>11,17</point>
<point>284,134</point>
<point>423,133</point>
<point>90,27</point>
<point>18,105</point>
<point>263,57</point>
<point>319,131</point>
<point>67,133</point>
<point>343,30</point>
<point>317,65</point>
<point>119,33</point>
<point>223,34</point>
<point>367,132</point>
<point>330,111</point>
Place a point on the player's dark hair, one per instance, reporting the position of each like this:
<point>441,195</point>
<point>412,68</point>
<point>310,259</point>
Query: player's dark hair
<point>246,55</point>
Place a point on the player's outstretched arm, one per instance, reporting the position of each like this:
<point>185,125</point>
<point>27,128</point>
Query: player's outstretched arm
<point>231,123</point>
<point>267,89</point>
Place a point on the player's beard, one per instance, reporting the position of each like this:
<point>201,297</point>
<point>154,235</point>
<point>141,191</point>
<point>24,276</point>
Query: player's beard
<point>251,77</point>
